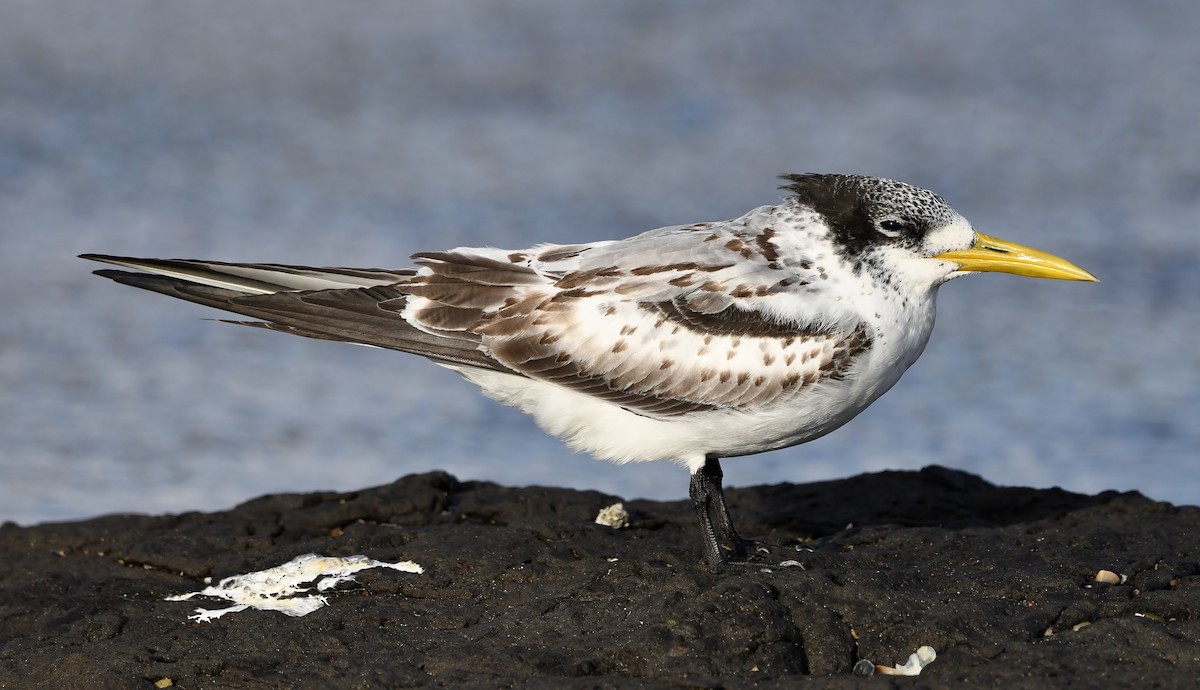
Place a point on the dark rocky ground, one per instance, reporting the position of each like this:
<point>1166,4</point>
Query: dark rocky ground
<point>522,589</point>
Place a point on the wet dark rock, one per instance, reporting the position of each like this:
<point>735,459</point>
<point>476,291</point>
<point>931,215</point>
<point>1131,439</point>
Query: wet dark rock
<point>522,588</point>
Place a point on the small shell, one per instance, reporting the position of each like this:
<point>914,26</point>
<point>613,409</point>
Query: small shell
<point>916,661</point>
<point>614,516</point>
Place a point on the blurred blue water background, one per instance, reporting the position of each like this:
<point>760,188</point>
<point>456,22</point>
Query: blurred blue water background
<point>357,133</point>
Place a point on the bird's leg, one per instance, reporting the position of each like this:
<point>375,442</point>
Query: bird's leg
<point>714,478</point>
<point>700,491</point>
<point>723,544</point>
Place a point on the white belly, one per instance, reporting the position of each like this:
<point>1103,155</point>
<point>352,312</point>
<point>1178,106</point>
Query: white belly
<point>610,432</point>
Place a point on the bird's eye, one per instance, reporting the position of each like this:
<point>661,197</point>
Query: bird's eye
<point>891,227</point>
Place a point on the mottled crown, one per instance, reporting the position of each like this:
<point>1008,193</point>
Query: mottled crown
<point>853,205</point>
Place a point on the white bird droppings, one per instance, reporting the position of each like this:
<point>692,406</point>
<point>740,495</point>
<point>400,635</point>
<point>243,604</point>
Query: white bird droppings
<point>287,588</point>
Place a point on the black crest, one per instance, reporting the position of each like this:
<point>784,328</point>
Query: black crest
<point>854,205</point>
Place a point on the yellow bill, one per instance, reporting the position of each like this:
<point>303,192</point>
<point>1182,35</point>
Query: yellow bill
<point>997,255</point>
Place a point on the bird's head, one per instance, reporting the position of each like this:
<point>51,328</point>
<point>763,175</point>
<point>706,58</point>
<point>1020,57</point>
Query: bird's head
<point>902,232</point>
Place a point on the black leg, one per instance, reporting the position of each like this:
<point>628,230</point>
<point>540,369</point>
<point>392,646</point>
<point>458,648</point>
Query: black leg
<point>715,477</point>
<point>700,491</point>
<point>722,543</point>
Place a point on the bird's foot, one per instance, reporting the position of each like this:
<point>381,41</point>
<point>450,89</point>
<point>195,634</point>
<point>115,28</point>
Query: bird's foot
<point>758,555</point>
<point>751,549</point>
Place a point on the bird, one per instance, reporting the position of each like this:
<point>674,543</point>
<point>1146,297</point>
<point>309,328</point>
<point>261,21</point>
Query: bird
<point>689,343</point>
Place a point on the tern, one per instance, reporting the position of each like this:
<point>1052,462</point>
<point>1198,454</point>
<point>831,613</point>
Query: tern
<point>688,343</point>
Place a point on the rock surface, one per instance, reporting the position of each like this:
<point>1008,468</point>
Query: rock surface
<point>522,588</point>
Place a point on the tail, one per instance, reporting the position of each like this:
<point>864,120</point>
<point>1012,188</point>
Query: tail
<point>353,305</point>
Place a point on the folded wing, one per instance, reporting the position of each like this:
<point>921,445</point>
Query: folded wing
<point>667,323</point>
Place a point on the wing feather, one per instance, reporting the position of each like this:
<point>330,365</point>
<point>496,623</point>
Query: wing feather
<point>713,316</point>
<point>671,322</point>
<point>348,314</point>
<point>257,278</point>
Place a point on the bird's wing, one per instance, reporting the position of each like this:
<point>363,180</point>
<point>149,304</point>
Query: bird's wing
<point>257,278</point>
<point>343,304</point>
<point>677,320</point>
<point>673,321</point>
